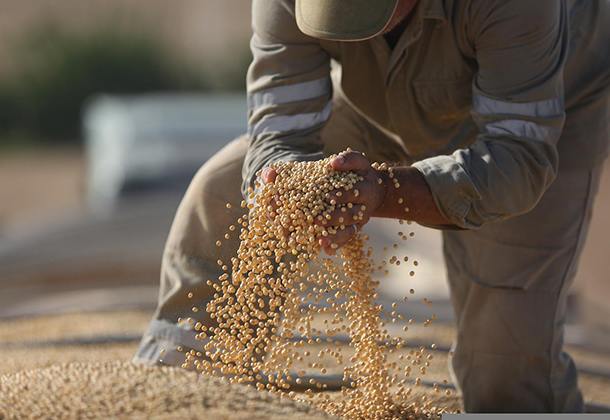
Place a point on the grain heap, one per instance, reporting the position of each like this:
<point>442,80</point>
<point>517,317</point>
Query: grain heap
<point>125,391</point>
<point>266,302</point>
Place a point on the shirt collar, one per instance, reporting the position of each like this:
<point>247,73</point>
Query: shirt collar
<point>425,9</point>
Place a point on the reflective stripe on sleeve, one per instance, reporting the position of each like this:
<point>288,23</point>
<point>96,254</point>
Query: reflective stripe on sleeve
<point>542,109</point>
<point>523,129</point>
<point>290,93</point>
<point>286,123</point>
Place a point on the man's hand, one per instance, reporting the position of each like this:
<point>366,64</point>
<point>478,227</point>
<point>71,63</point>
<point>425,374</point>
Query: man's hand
<point>409,197</point>
<point>268,175</point>
<point>358,204</point>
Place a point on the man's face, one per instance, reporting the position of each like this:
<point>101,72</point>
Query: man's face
<point>402,11</point>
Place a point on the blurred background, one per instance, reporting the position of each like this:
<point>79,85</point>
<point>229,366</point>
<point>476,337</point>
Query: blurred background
<point>107,109</point>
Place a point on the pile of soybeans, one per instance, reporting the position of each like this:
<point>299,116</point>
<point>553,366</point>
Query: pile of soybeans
<point>123,391</point>
<point>280,281</point>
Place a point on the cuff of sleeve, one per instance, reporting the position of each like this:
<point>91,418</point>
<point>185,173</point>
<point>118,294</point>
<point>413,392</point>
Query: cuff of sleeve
<point>451,186</point>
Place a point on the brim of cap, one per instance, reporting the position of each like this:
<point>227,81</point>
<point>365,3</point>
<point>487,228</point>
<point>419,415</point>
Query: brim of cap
<point>344,20</point>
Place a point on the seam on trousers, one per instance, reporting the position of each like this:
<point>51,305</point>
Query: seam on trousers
<point>563,283</point>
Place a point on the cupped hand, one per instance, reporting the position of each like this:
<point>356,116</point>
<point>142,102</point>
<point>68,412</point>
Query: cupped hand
<point>356,206</point>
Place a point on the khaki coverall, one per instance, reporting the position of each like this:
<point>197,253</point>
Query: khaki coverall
<point>492,100</point>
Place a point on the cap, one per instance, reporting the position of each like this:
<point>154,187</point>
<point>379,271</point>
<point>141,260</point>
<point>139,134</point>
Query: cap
<point>344,20</point>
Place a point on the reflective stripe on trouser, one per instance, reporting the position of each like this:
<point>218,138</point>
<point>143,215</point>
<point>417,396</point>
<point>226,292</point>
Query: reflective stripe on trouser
<point>191,255</point>
<point>509,284</point>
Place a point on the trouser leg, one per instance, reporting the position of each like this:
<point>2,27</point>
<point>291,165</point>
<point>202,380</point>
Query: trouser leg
<point>509,283</point>
<point>191,255</point>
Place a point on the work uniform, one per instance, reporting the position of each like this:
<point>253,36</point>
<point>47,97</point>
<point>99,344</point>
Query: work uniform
<point>502,105</point>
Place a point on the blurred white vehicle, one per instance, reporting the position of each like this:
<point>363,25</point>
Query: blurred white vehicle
<point>154,141</point>
<point>142,152</point>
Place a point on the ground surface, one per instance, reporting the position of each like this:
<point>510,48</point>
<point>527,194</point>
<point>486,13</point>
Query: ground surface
<point>33,350</point>
<point>38,187</point>
<point>108,337</point>
<point>124,391</point>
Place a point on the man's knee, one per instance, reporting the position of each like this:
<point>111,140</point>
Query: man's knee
<point>515,383</point>
<point>220,177</point>
<point>502,383</point>
<point>507,357</point>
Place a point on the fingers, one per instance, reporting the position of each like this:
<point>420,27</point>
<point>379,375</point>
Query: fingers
<point>274,202</point>
<point>350,161</point>
<point>334,241</point>
<point>345,215</point>
<point>343,224</point>
<point>363,192</point>
<point>268,175</point>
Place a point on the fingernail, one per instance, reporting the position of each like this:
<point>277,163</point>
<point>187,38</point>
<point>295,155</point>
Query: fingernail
<point>340,159</point>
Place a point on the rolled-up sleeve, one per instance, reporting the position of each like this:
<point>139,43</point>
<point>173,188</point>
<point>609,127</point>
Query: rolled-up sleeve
<point>289,90</point>
<point>520,47</point>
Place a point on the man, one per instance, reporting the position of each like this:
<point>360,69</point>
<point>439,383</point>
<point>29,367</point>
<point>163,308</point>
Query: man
<point>497,113</point>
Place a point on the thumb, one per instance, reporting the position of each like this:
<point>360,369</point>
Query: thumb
<point>350,161</point>
<point>268,175</point>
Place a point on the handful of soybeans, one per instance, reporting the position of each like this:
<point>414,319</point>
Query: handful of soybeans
<point>279,282</point>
